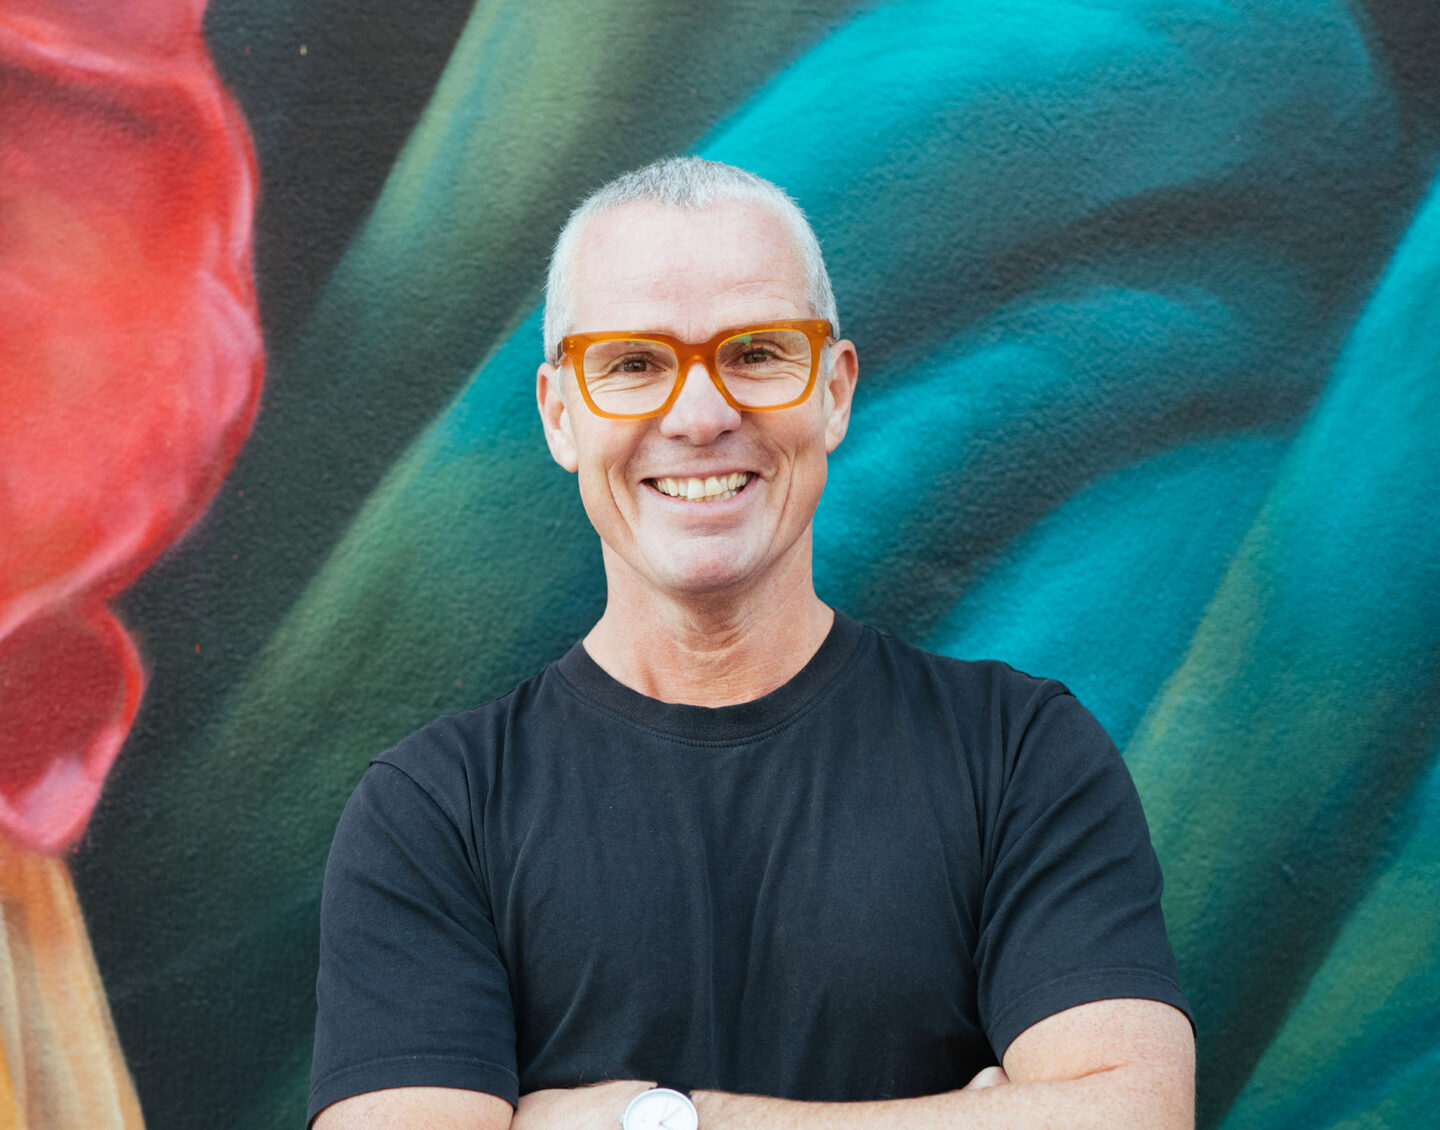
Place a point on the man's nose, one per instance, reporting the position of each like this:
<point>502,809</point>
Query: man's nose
<point>700,413</point>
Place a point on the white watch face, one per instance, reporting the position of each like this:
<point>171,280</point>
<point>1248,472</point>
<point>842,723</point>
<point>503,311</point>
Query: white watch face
<point>660,1109</point>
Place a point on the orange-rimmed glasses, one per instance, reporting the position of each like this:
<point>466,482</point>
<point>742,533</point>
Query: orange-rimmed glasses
<point>761,368</point>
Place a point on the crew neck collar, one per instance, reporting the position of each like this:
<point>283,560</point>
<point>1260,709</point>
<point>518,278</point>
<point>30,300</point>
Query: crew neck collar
<point>715,725</point>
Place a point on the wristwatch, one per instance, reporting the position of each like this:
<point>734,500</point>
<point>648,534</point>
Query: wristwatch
<point>660,1108</point>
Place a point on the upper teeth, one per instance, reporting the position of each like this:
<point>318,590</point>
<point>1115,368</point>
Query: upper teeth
<point>711,489</point>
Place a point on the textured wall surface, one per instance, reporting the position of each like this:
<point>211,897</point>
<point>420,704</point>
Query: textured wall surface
<point>1147,299</point>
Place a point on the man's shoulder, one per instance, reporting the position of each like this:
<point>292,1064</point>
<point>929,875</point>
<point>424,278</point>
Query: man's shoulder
<point>978,682</point>
<point>456,750</point>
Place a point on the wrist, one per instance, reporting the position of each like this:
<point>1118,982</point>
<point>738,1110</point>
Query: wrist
<point>718,1109</point>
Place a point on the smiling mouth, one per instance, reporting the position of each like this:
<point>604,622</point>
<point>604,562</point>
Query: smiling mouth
<point>715,488</point>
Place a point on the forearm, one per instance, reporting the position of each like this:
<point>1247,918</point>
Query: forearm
<point>1116,1097</point>
<point>1101,1102</point>
<point>1099,1065</point>
<point>1106,1099</point>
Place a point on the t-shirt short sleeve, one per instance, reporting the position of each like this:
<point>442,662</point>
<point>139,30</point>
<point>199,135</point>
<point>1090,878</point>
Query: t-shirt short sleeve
<point>411,990</point>
<point>1071,908</point>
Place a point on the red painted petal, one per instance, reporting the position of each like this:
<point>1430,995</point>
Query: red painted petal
<point>69,687</point>
<point>161,27</point>
<point>130,351</point>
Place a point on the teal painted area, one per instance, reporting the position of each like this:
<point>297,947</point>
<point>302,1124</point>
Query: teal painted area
<point>1302,713</point>
<point>1147,322</point>
<point>951,150</point>
<point>1104,592</point>
<point>1027,407</point>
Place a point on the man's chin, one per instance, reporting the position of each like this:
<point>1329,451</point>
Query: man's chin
<point>702,582</point>
<point>700,568</point>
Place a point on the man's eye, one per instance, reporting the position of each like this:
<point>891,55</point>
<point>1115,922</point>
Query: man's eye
<point>631,365</point>
<point>757,356</point>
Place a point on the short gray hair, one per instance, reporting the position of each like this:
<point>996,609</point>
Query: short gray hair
<point>690,184</point>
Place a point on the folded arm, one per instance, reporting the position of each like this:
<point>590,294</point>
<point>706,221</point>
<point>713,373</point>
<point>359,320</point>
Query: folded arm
<point>1106,1064</point>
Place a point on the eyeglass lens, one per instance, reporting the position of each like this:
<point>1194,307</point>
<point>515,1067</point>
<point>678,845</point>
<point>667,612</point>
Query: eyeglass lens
<point>760,370</point>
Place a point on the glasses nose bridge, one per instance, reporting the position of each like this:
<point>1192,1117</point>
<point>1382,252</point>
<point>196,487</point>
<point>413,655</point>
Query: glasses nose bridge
<point>702,353</point>
<point>694,403</point>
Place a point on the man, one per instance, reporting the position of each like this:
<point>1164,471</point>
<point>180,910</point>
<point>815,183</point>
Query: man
<point>734,842</point>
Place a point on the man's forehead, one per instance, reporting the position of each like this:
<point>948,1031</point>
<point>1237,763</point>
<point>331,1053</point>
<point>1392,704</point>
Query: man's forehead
<point>738,256</point>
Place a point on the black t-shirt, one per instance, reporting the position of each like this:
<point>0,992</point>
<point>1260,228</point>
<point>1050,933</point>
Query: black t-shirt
<point>863,885</point>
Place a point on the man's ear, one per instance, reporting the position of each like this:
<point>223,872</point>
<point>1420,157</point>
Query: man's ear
<point>840,392</point>
<point>555,416</point>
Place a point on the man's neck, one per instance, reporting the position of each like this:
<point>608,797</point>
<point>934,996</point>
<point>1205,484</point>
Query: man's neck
<point>716,651</point>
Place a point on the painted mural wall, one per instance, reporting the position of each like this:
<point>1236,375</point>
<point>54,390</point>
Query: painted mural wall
<point>1147,297</point>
